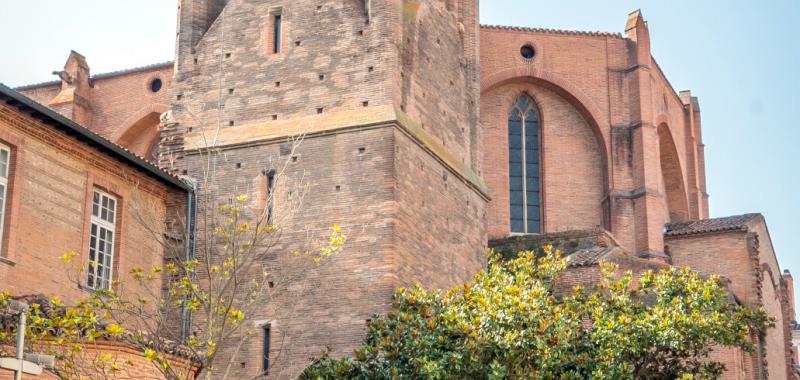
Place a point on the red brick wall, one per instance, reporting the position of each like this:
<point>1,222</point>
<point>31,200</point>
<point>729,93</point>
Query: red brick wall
<point>121,103</point>
<point>747,259</point>
<point>443,101</point>
<point>775,300</point>
<point>42,94</point>
<point>571,161</point>
<point>131,363</point>
<point>726,255</point>
<point>409,212</point>
<point>48,212</point>
<point>440,227</point>
<point>622,96</point>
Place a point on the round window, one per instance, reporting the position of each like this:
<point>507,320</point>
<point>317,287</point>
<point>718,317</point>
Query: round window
<point>527,52</point>
<point>155,85</point>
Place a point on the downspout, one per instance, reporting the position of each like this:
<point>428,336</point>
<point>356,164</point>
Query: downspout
<point>23,315</point>
<point>189,247</point>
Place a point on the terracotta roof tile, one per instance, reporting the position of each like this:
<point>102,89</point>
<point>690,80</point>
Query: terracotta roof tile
<point>9,320</point>
<point>154,66</point>
<point>60,122</point>
<point>730,223</point>
<point>111,74</point>
<point>553,31</point>
<point>589,256</point>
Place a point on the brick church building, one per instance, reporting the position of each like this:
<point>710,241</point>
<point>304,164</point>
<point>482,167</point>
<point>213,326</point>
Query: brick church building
<point>430,138</point>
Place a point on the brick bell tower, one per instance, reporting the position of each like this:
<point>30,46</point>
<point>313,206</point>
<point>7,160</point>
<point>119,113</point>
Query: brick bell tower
<point>385,93</point>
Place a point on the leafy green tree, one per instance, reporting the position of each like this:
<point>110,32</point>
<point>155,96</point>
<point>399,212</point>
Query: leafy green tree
<point>511,323</point>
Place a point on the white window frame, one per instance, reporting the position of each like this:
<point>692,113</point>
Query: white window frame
<point>4,192</point>
<point>97,280</point>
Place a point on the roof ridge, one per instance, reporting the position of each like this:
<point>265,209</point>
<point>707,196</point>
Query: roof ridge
<point>701,226</point>
<point>132,70</point>
<point>105,75</point>
<point>36,85</point>
<point>551,30</point>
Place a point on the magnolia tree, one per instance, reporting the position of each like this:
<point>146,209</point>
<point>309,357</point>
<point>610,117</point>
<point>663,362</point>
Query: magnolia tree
<point>203,298</point>
<point>509,323</point>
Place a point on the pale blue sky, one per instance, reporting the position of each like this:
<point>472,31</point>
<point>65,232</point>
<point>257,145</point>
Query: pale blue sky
<point>741,57</point>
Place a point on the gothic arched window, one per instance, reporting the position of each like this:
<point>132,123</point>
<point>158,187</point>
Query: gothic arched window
<point>523,167</point>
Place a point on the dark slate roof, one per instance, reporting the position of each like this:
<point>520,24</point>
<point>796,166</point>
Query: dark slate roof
<point>57,121</point>
<point>552,31</point>
<point>100,76</point>
<point>730,223</point>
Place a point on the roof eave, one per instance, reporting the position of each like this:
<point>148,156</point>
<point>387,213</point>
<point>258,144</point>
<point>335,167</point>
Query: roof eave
<point>70,126</point>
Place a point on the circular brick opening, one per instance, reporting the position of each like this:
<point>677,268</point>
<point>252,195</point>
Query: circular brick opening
<point>527,51</point>
<point>156,85</point>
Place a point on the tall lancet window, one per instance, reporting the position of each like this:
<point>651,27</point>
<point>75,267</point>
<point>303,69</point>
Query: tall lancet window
<point>523,167</point>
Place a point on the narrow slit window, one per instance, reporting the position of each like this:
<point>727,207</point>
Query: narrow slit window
<point>265,354</point>
<point>271,197</point>
<point>101,240</point>
<point>276,33</point>
<point>523,167</point>
<point>5,163</point>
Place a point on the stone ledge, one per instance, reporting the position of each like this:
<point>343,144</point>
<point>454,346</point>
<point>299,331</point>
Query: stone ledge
<point>334,122</point>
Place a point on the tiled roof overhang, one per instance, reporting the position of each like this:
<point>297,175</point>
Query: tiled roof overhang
<point>57,121</point>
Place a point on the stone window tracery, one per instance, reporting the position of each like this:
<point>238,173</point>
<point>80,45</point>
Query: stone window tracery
<point>523,167</point>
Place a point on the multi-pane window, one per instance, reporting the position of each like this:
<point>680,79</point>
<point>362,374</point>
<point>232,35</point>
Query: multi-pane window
<point>5,161</point>
<point>523,166</point>
<point>101,243</point>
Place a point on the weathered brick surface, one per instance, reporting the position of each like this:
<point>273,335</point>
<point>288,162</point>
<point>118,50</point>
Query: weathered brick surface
<point>440,229</point>
<point>122,106</point>
<point>630,141</point>
<point>52,178</point>
<point>621,150</point>
<point>571,161</point>
<point>746,258</point>
<point>138,368</point>
<point>412,211</point>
